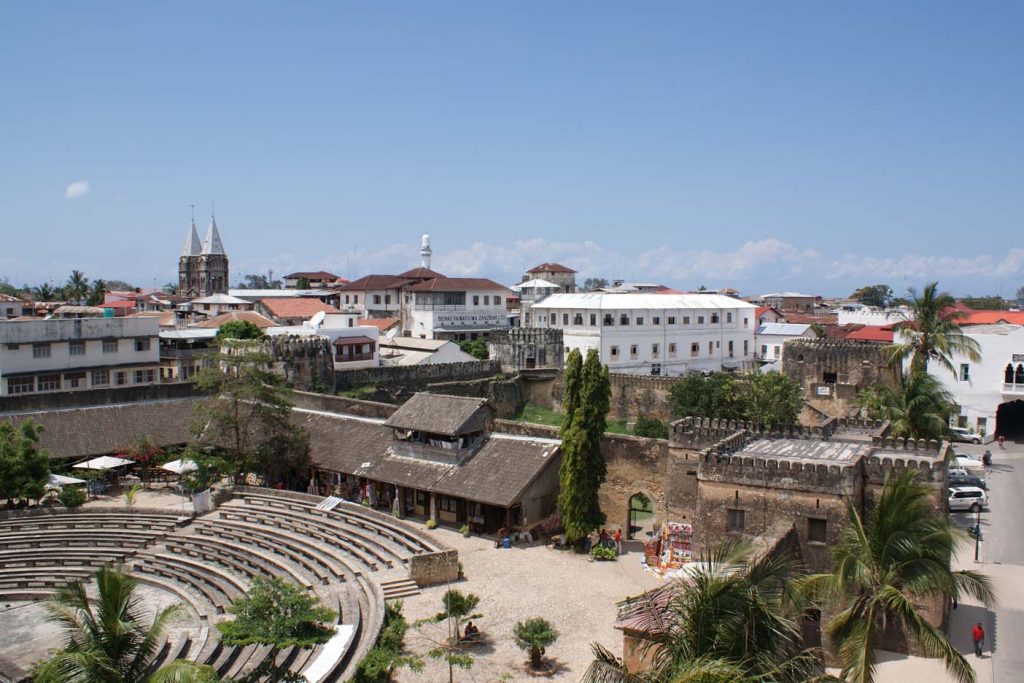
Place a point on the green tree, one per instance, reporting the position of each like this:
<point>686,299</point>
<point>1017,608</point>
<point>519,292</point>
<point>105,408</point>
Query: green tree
<point>583,467</point>
<point>239,329</point>
<point>772,399</point>
<point>879,296</point>
<point>651,428</point>
<point>733,619</point>
<point>984,303</point>
<point>302,283</point>
<point>77,287</point>
<point>571,394</point>
<point>931,332</point>
<point>278,614</point>
<point>882,567</point>
<point>24,466</point>
<point>476,348</point>
<point>97,293</point>
<point>44,292</point>
<point>247,419</point>
<point>108,640</point>
<point>534,636</point>
<point>458,608</point>
<point>386,655</point>
<point>918,408</point>
<point>593,283</point>
<point>71,497</point>
<point>145,452</point>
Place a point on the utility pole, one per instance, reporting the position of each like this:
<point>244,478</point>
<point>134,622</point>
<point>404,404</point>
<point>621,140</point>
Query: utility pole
<point>977,534</point>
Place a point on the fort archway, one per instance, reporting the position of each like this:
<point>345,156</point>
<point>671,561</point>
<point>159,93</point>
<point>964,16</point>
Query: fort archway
<point>1010,420</point>
<point>639,515</point>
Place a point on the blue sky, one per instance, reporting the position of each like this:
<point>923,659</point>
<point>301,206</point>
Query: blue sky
<point>804,145</point>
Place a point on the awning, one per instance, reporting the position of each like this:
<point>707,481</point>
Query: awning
<point>58,480</point>
<point>180,466</point>
<point>104,462</point>
<point>347,341</point>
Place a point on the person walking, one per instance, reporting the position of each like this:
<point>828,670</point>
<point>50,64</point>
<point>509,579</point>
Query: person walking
<point>978,636</point>
<point>1002,442</point>
<point>618,541</point>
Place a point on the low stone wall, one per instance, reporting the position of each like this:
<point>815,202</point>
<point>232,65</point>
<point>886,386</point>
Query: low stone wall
<point>342,404</point>
<point>430,569</point>
<point>97,397</point>
<point>53,510</point>
<point>415,377</point>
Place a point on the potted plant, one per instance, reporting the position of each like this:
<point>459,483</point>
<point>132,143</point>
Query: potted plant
<point>464,530</point>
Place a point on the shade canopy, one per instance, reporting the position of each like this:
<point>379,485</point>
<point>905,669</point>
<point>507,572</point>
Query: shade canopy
<point>104,462</point>
<point>60,480</point>
<point>180,466</point>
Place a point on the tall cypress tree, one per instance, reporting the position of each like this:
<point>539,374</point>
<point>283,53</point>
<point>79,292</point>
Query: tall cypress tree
<point>570,398</point>
<point>583,468</point>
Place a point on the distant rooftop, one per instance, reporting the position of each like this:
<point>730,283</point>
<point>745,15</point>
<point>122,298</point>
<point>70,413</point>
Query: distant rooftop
<point>551,268</point>
<point>826,452</point>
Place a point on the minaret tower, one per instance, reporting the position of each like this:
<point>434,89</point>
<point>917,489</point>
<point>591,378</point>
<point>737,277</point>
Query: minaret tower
<point>425,252</point>
<point>213,262</point>
<point>188,273</point>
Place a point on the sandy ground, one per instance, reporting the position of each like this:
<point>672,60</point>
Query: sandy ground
<point>576,595</point>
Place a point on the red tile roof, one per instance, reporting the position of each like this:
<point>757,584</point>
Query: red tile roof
<point>368,282</point>
<point>313,275</point>
<point>347,341</point>
<point>260,321</point>
<point>296,308</point>
<point>457,284</point>
<point>382,324</point>
<point>991,317</point>
<point>421,274</point>
<point>872,333</point>
<point>551,268</point>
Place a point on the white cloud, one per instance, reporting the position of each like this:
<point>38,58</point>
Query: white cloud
<point>77,189</point>
<point>767,262</point>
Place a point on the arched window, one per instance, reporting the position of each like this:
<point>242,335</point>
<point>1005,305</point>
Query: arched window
<point>1018,377</point>
<point>1008,375</point>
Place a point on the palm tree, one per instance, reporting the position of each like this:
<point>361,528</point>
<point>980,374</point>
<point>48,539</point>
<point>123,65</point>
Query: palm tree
<point>43,292</point>
<point>733,619</point>
<point>931,332</point>
<point>77,286</point>
<point>882,568</point>
<point>918,408</point>
<point>107,640</point>
<point>97,292</point>
<point>534,636</point>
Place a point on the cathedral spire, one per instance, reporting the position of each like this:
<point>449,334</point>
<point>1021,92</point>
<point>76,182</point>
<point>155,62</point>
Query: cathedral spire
<point>192,244</point>
<point>212,243</point>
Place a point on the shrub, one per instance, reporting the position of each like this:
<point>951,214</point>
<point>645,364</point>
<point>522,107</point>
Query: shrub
<point>382,659</point>
<point>651,428</point>
<point>71,497</point>
<point>431,524</point>
<point>464,530</point>
<point>600,553</point>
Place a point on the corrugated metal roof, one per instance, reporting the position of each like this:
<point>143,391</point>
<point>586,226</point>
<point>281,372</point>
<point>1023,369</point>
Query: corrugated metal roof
<point>787,329</point>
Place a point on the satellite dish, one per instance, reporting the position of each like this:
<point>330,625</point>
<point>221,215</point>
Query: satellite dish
<point>318,319</point>
<point>390,334</point>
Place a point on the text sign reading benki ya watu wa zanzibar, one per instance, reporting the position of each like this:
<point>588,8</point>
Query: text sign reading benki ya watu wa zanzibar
<point>466,319</point>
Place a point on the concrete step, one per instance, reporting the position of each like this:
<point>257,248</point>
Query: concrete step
<point>399,588</point>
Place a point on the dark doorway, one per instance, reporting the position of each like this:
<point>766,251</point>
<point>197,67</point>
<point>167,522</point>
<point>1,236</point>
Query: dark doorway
<point>1010,420</point>
<point>641,512</point>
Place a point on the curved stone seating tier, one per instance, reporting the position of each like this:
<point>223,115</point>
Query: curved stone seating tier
<point>86,538</point>
<point>247,562</point>
<point>318,561</point>
<point>91,520</point>
<point>357,515</point>
<point>358,547</point>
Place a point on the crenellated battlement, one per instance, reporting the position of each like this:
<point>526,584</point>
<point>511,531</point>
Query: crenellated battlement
<point>879,467</point>
<point>701,432</point>
<point>776,473</point>
<point>306,362</point>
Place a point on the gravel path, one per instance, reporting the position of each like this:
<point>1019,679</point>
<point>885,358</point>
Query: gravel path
<point>576,595</point>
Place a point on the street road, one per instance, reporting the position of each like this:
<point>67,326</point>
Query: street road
<point>1002,557</point>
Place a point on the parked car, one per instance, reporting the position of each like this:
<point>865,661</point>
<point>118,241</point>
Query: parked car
<point>954,471</point>
<point>967,498</point>
<point>967,462</point>
<point>964,435</point>
<point>967,480</point>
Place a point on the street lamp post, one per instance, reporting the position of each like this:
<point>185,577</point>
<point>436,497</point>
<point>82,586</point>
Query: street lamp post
<point>977,534</point>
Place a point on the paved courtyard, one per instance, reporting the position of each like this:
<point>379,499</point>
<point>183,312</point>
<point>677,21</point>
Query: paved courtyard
<point>576,595</point>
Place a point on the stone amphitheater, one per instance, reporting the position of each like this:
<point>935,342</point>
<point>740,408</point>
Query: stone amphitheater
<point>352,557</point>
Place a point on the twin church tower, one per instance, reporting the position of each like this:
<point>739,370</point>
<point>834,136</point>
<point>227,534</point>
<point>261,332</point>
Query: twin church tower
<point>203,266</point>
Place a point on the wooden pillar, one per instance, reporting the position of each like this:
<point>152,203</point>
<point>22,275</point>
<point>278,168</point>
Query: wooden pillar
<point>398,507</point>
<point>508,521</point>
<point>433,506</point>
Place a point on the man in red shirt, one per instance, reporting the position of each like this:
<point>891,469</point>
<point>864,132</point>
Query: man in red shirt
<point>978,635</point>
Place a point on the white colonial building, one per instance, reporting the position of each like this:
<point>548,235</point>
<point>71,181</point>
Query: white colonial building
<point>660,334</point>
<point>771,336</point>
<point>989,393</point>
<point>456,308</point>
<point>67,355</point>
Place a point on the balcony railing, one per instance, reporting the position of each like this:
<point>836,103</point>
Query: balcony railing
<point>1013,388</point>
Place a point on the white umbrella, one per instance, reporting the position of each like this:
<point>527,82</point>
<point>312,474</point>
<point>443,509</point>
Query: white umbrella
<point>180,466</point>
<point>61,480</point>
<point>104,462</point>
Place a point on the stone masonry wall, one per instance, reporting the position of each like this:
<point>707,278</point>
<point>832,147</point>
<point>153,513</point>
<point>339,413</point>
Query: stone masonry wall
<point>520,348</point>
<point>306,363</point>
<point>855,364</point>
<point>413,378</point>
<point>431,569</point>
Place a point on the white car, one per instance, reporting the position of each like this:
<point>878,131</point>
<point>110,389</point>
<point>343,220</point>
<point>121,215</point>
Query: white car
<point>967,463</point>
<point>955,471</point>
<point>964,435</point>
<point>967,498</point>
